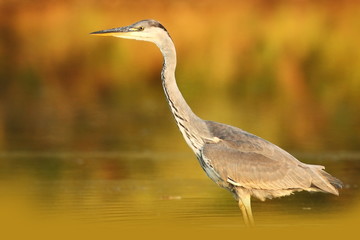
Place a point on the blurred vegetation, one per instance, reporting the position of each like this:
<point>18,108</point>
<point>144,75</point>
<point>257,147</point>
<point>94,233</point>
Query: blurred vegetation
<point>288,71</point>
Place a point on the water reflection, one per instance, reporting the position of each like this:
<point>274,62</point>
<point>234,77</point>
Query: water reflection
<point>147,188</point>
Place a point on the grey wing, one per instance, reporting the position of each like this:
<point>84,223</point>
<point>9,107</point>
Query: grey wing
<point>254,170</point>
<point>243,159</point>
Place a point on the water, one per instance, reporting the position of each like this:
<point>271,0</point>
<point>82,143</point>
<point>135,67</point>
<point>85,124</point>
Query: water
<point>151,188</point>
<point>123,166</point>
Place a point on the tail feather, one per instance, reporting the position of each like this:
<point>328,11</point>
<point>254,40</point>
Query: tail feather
<point>333,180</point>
<point>324,181</point>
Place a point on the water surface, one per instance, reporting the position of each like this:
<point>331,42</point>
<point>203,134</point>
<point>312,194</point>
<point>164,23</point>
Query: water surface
<point>148,188</point>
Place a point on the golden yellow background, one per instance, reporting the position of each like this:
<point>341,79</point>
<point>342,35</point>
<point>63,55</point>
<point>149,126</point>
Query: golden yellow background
<point>288,71</point>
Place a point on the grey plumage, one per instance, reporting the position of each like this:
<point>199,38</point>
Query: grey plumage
<point>261,168</point>
<point>241,162</point>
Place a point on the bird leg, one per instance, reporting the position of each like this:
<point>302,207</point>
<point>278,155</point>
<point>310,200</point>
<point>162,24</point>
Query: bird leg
<point>244,213</point>
<point>245,207</point>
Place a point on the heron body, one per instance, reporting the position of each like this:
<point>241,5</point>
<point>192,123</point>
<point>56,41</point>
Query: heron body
<point>245,164</point>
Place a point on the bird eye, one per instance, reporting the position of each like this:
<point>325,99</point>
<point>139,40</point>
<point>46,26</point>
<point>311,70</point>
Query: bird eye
<point>141,28</point>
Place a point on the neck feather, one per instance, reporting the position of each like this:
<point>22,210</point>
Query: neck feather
<point>192,127</point>
<point>177,103</point>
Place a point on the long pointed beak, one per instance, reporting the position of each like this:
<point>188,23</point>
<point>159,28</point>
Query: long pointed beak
<point>115,32</point>
<point>129,32</point>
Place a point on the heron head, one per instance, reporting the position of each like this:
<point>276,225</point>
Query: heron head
<point>146,30</point>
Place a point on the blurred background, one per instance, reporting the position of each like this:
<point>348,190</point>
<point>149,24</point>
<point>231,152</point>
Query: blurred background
<point>288,71</point>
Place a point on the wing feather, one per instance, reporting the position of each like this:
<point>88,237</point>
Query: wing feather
<point>252,161</point>
<point>255,170</point>
<point>243,159</point>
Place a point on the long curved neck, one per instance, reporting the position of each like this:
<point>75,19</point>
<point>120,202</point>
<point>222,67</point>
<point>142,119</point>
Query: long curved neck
<point>178,105</point>
<point>190,125</point>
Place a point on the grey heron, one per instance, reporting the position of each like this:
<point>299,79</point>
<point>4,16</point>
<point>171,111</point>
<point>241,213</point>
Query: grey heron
<point>245,164</point>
